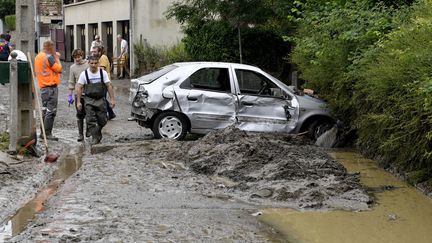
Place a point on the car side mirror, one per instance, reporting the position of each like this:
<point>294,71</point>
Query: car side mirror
<point>278,92</point>
<point>168,92</point>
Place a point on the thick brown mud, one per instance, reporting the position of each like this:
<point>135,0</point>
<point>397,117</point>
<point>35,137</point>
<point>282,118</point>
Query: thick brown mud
<point>273,169</point>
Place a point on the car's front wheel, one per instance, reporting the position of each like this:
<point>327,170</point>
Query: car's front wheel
<point>319,127</point>
<point>170,125</point>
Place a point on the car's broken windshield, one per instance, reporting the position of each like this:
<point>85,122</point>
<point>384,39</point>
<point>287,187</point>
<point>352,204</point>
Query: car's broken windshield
<point>157,74</point>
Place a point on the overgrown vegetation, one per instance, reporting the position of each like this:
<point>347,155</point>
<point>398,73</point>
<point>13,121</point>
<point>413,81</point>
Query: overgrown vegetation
<point>372,62</point>
<point>4,141</point>
<point>10,21</point>
<point>330,39</point>
<point>393,99</point>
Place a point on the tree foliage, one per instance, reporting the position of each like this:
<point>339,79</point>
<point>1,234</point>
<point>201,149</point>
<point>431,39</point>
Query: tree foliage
<point>7,7</point>
<point>212,28</point>
<point>330,38</point>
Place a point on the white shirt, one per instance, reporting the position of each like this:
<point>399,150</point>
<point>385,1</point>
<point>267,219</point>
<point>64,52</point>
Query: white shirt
<point>20,56</point>
<point>93,77</point>
<point>124,45</point>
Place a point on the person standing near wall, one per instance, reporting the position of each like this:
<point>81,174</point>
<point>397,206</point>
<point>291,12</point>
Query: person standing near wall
<point>94,82</point>
<point>97,42</point>
<point>79,66</point>
<point>123,58</point>
<point>48,69</point>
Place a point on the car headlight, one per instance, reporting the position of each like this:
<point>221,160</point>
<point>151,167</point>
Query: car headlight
<point>140,99</point>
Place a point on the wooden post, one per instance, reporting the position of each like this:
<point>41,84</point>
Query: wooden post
<point>13,119</point>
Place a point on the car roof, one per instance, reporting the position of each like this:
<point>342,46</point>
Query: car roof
<point>237,65</point>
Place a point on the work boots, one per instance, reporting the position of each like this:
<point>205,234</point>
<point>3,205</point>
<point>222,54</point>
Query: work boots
<point>96,136</point>
<point>88,134</point>
<point>80,130</point>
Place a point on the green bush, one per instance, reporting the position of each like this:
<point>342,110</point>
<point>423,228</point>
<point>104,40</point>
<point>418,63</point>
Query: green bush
<point>4,141</point>
<point>374,66</point>
<point>150,58</point>
<point>10,21</point>
<point>331,37</point>
<point>393,99</point>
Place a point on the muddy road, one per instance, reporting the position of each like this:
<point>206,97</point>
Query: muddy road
<point>132,188</point>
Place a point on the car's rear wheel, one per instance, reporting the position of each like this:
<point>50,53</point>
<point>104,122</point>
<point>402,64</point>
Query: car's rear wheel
<point>319,127</point>
<point>170,125</point>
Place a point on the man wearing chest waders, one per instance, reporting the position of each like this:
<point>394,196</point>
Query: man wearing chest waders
<point>94,82</point>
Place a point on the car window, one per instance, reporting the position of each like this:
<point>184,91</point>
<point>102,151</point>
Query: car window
<point>254,83</point>
<point>209,79</point>
<point>157,74</point>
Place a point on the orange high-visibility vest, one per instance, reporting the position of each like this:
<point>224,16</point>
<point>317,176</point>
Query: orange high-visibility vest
<point>46,75</point>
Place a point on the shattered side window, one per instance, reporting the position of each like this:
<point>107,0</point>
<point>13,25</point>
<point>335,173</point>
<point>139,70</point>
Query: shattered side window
<point>253,83</point>
<point>216,79</point>
<point>157,74</point>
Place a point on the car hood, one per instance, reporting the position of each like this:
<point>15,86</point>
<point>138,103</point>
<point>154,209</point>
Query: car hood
<point>308,102</point>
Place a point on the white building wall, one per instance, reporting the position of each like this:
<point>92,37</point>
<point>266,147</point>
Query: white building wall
<point>148,21</point>
<point>96,12</point>
<point>151,24</point>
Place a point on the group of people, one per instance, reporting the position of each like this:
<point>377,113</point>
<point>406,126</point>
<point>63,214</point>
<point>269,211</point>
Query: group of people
<point>122,60</point>
<point>88,79</point>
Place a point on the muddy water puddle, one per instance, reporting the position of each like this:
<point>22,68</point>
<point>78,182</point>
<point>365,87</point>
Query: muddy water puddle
<point>26,214</point>
<point>400,214</point>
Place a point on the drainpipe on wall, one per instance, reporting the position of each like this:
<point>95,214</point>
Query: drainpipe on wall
<point>131,37</point>
<point>37,26</point>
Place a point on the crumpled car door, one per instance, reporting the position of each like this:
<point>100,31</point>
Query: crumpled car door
<point>261,106</point>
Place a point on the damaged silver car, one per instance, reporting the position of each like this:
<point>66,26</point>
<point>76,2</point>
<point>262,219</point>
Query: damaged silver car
<point>198,97</point>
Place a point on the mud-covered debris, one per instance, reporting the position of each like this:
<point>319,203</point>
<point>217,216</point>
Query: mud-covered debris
<point>277,167</point>
<point>263,193</point>
<point>257,214</point>
<point>392,217</point>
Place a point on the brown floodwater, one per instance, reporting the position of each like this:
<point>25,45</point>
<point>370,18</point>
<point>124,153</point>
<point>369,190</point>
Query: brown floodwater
<point>400,215</point>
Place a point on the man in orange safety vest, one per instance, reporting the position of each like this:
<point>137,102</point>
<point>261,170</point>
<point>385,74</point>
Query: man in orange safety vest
<point>48,69</point>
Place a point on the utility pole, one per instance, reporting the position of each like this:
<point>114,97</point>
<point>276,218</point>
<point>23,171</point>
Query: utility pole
<point>22,119</point>
<point>25,25</point>
<point>13,120</point>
